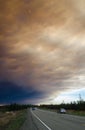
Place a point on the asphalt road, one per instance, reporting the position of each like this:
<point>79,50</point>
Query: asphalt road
<point>46,120</point>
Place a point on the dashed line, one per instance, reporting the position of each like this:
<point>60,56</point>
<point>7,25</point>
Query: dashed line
<point>41,121</point>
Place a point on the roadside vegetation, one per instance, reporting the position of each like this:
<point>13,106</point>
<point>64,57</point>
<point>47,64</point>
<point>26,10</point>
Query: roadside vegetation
<point>74,112</point>
<point>16,122</point>
<point>12,120</point>
<point>12,116</point>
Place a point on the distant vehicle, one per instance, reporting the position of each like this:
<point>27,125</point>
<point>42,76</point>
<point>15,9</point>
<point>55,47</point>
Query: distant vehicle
<point>33,108</point>
<point>62,110</point>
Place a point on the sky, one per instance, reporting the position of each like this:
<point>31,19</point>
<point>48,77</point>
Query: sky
<point>42,51</point>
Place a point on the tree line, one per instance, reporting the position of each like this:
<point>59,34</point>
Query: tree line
<point>14,107</point>
<point>79,105</point>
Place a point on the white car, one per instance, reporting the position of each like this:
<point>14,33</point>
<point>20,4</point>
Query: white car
<point>62,110</point>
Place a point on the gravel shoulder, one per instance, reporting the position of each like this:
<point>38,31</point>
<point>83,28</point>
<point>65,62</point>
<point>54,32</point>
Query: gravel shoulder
<point>29,124</point>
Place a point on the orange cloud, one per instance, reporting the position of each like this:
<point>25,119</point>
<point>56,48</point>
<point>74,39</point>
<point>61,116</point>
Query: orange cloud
<point>42,44</point>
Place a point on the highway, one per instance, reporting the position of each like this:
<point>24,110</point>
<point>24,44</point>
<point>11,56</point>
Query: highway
<point>46,120</point>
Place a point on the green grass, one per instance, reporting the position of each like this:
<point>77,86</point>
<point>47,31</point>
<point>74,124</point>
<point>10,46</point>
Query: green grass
<point>16,123</point>
<point>78,113</point>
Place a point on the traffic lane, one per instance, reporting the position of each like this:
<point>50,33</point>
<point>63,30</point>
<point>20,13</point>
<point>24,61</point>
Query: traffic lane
<point>72,118</point>
<point>39,122</point>
<point>60,121</point>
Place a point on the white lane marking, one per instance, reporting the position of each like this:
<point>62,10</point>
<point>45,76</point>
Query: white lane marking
<point>41,121</point>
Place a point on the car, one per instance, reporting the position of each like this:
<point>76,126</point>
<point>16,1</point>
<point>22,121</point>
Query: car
<point>33,108</point>
<point>62,110</point>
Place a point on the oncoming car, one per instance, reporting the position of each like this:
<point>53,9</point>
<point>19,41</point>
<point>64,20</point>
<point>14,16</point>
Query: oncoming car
<point>62,110</point>
<point>33,108</point>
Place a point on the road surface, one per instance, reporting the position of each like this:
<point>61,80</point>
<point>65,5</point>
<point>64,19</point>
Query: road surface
<point>46,120</point>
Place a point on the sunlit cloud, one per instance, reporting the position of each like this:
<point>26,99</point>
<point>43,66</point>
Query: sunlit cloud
<point>68,96</point>
<point>43,46</point>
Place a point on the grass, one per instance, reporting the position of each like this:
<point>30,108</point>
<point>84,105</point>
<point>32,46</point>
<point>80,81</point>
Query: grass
<point>78,113</point>
<point>12,120</point>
